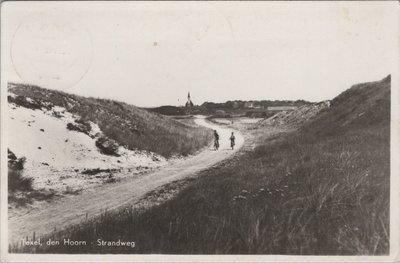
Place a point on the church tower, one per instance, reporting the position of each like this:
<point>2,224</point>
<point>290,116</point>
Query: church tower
<point>189,103</point>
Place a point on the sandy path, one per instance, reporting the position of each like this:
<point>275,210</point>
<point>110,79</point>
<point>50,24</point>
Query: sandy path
<point>72,210</point>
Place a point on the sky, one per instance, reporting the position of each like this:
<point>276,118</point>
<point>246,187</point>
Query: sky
<point>154,53</point>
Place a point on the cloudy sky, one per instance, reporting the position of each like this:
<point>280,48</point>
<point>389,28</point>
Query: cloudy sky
<point>153,53</point>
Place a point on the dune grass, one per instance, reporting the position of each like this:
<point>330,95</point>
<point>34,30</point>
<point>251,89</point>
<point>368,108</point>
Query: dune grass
<point>296,195</point>
<point>130,126</point>
<point>320,190</point>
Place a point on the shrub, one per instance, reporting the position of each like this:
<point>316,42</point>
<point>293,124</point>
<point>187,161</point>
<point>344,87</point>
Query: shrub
<point>16,180</point>
<point>78,127</point>
<point>107,146</point>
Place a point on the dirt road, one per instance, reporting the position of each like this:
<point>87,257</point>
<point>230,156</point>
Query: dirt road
<point>74,209</point>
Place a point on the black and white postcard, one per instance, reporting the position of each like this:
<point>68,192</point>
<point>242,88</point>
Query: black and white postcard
<point>200,131</point>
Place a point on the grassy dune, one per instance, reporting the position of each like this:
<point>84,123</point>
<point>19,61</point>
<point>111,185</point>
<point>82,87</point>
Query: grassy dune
<point>321,190</point>
<point>130,126</point>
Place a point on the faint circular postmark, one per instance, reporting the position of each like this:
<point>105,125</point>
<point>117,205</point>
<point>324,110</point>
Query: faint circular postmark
<point>52,52</point>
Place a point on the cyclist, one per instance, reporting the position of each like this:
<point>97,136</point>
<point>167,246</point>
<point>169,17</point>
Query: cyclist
<point>216,140</point>
<point>232,138</point>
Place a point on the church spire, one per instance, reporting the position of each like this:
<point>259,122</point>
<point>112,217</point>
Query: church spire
<point>189,102</point>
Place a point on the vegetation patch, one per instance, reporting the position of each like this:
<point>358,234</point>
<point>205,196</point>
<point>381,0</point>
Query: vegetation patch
<point>97,170</point>
<point>107,146</point>
<point>20,190</point>
<point>169,110</point>
<point>16,180</point>
<point>29,103</point>
<point>80,125</point>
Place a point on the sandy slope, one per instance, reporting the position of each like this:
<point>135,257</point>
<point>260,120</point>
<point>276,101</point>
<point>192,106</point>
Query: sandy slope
<point>72,210</point>
<point>56,156</point>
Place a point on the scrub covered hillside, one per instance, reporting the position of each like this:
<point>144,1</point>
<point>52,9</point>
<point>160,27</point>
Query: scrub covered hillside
<point>129,126</point>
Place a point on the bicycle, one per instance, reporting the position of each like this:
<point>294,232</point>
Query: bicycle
<point>216,145</point>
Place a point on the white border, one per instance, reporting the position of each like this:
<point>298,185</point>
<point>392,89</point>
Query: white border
<point>394,202</point>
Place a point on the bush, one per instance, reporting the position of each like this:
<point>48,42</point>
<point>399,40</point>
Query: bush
<point>16,180</point>
<point>107,146</point>
<point>79,128</point>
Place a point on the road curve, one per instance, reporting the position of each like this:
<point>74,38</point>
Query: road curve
<point>72,210</point>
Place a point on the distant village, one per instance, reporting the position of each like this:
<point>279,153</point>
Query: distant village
<point>275,105</point>
<point>261,108</point>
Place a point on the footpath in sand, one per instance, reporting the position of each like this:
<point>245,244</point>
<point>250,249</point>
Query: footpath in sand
<point>89,204</point>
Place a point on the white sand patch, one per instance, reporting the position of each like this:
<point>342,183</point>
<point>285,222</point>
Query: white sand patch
<point>56,156</point>
<point>222,121</point>
<point>249,120</point>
